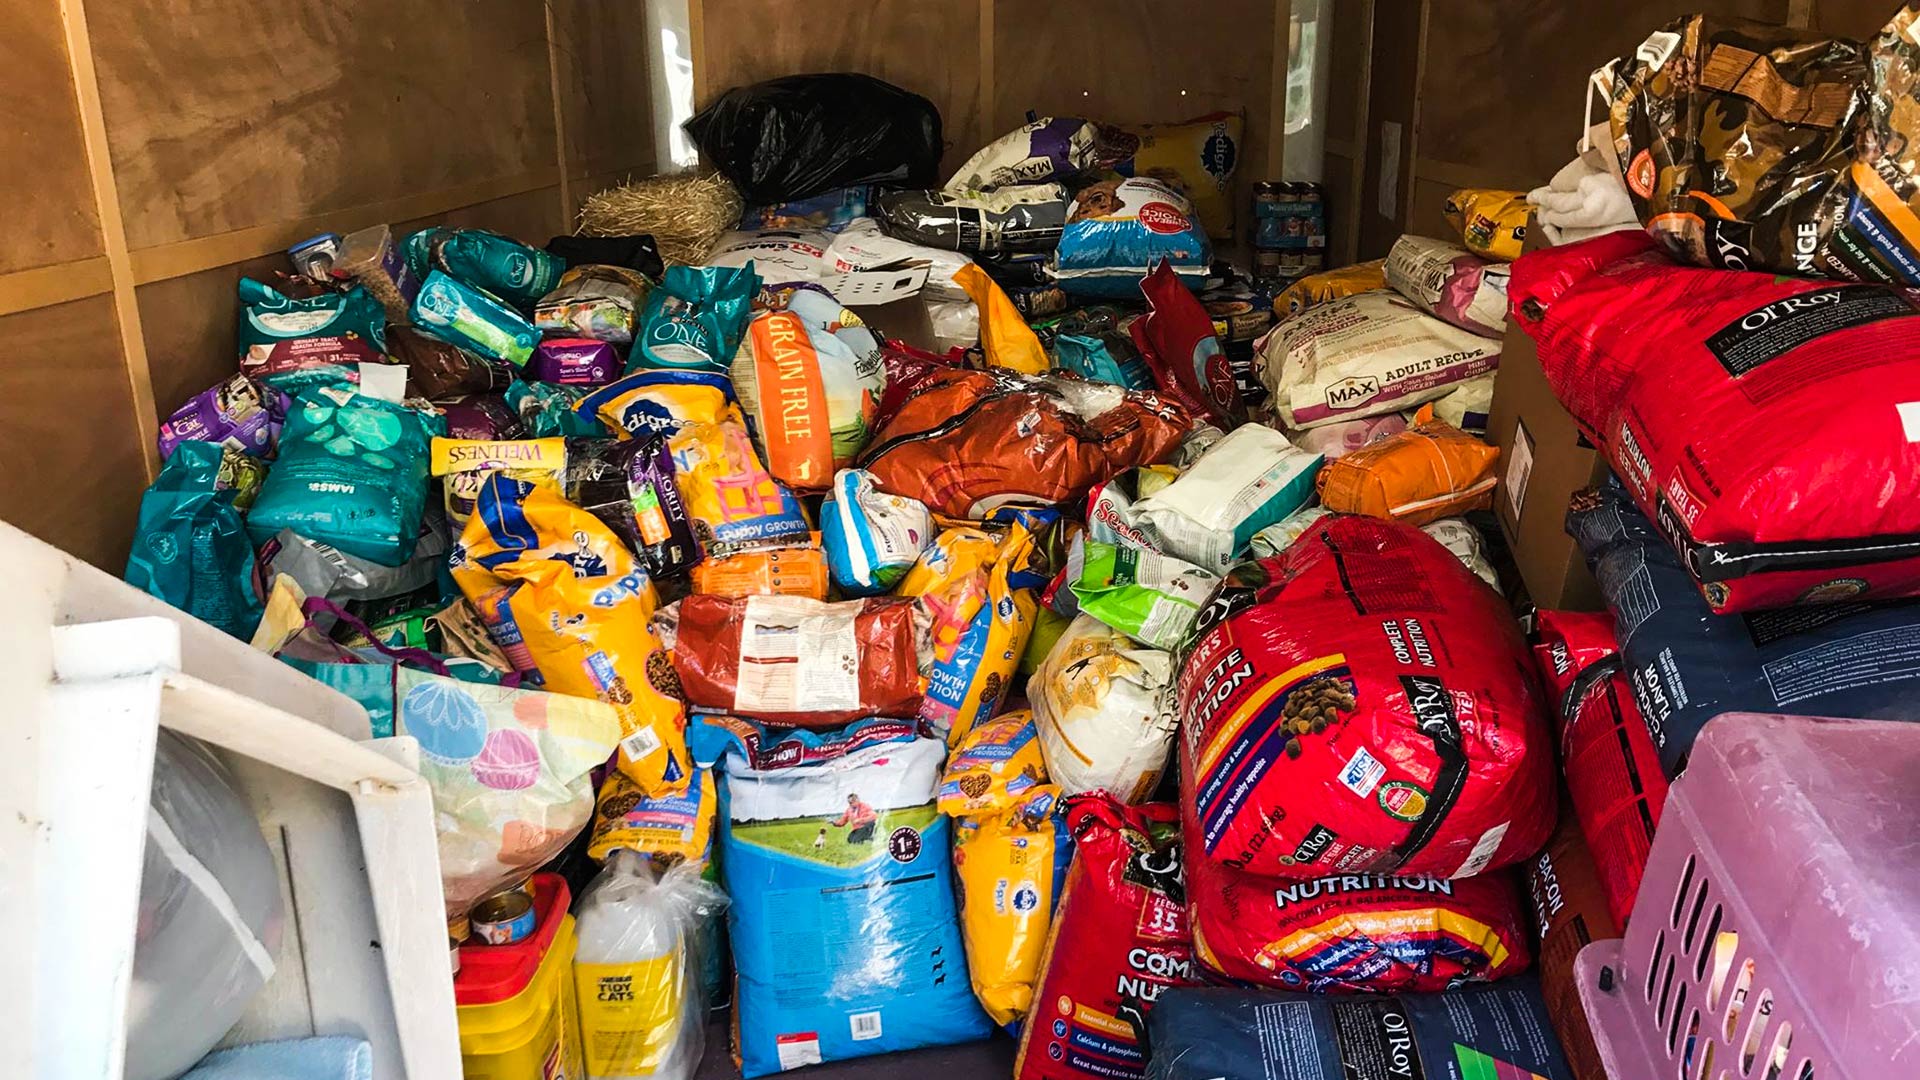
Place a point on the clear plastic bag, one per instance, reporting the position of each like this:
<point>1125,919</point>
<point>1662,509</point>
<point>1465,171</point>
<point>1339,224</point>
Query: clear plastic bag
<point>637,969</point>
<point>210,913</point>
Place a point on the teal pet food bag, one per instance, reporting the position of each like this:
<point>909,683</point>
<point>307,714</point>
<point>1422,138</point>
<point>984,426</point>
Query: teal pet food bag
<point>191,547</point>
<point>352,473</point>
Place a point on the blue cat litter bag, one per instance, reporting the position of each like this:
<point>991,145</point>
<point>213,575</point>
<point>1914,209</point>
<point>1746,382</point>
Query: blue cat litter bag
<point>1688,665</point>
<point>1497,1030</point>
<point>1119,230</point>
<point>845,937</point>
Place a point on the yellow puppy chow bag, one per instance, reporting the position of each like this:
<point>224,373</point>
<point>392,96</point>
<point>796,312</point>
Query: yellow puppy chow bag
<point>1009,867</point>
<point>570,607</point>
<point>980,622</point>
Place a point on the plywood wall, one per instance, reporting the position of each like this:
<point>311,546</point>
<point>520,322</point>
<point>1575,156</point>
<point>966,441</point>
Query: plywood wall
<point>986,65</point>
<point>1496,88</point>
<point>175,147</point>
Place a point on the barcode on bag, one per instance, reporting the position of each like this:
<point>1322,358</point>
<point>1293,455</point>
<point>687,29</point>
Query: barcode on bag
<point>639,744</point>
<point>864,1025</point>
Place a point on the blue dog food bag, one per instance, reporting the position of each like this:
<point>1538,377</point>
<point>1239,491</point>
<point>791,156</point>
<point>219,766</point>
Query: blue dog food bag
<point>1688,665</point>
<point>1498,1030</point>
<point>845,938</point>
<point>1119,230</point>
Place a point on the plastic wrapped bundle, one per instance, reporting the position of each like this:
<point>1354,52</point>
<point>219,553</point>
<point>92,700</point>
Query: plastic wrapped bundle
<point>210,913</point>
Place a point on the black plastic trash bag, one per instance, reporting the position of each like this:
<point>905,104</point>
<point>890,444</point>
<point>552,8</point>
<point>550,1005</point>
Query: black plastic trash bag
<point>797,136</point>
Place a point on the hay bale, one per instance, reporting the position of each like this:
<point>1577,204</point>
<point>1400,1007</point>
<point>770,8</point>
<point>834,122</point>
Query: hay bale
<point>685,213</point>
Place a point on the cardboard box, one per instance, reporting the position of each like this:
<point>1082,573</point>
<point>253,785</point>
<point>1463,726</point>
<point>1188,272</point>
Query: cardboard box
<point>1543,461</point>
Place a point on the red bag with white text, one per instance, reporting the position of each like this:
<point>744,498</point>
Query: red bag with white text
<point>1769,426</point>
<point>1361,703</point>
<point>1119,938</point>
<point>1612,765</point>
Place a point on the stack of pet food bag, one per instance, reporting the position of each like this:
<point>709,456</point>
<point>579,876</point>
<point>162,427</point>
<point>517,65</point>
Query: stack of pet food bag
<point>1022,685</point>
<point>1745,365</point>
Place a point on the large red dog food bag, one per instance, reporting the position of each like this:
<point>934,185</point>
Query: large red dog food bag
<point>1769,426</point>
<point>1362,704</point>
<point>1355,933</point>
<point>1119,938</point>
<point>1611,763</point>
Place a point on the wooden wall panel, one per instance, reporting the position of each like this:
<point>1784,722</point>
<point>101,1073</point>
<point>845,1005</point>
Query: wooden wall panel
<point>1852,18</point>
<point>70,470</point>
<point>1504,79</point>
<point>601,56</point>
<point>44,185</point>
<point>1393,98</point>
<point>932,49</point>
<point>1140,61</point>
<point>1348,60</point>
<point>229,114</point>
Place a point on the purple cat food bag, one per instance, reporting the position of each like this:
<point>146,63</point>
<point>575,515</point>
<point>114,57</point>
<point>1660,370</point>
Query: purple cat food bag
<point>239,413</point>
<point>482,416</point>
<point>573,362</point>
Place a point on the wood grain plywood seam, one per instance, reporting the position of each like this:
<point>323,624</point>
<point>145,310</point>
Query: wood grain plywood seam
<point>1460,175</point>
<point>559,119</point>
<point>61,283</point>
<point>113,229</point>
<point>208,252</point>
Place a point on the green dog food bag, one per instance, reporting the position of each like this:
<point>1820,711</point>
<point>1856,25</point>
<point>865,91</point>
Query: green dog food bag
<point>501,265</point>
<point>352,473</point>
<point>694,321</point>
<point>1152,598</point>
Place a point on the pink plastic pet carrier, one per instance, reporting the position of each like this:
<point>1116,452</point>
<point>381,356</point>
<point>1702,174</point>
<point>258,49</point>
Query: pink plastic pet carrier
<point>1777,931</point>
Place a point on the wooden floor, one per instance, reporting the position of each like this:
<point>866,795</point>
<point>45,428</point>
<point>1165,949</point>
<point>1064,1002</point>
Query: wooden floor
<point>989,1060</point>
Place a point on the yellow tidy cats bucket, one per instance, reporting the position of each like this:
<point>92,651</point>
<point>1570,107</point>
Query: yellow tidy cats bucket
<point>518,1016</point>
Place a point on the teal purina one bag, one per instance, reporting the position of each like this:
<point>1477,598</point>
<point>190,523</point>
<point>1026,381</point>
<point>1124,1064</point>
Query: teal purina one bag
<point>695,319</point>
<point>191,548</point>
<point>352,473</point>
<point>503,266</point>
<point>475,320</point>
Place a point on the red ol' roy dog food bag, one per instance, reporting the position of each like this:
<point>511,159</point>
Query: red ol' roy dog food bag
<point>1119,938</point>
<point>1362,704</point>
<point>1769,426</point>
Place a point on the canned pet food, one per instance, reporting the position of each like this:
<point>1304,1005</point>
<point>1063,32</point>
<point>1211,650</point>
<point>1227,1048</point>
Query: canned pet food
<point>459,929</point>
<point>504,918</point>
<point>453,954</point>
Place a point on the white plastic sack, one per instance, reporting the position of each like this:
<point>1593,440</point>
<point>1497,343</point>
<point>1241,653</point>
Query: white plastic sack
<point>1245,482</point>
<point>1364,355</point>
<point>636,971</point>
<point>862,246</point>
<point>1464,541</point>
<point>777,255</point>
<point>1103,706</point>
<point>210,913</point>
